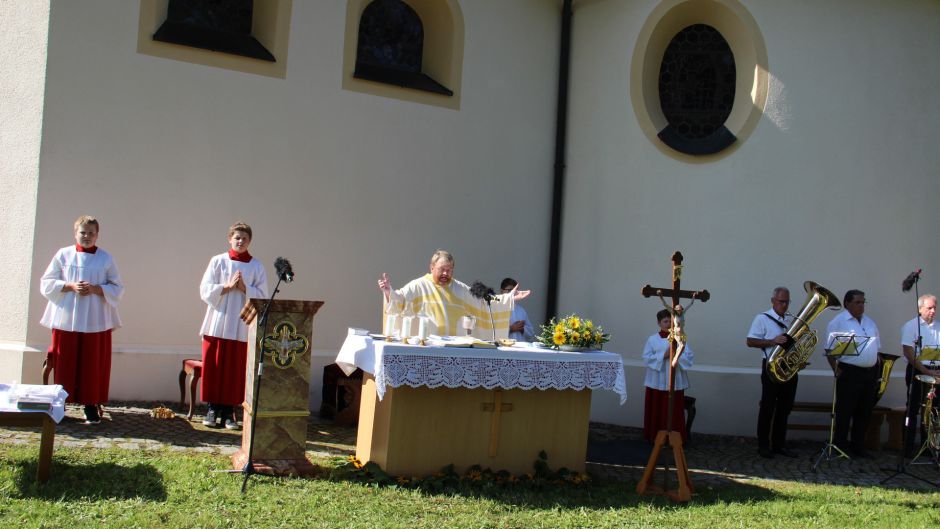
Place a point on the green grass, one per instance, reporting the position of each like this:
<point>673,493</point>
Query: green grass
<point>121,488</point>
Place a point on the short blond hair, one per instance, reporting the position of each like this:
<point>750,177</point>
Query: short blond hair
<point>240,226</point>
<point>86,220</point>
<point>442,255</point>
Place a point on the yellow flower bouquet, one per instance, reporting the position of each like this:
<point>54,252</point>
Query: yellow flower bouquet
<point>573,333</point>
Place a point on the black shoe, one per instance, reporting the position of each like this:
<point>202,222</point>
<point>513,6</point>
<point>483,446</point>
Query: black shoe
<point>785,452</point>
<point>91,415</point>
<point>765,452</point>
<point>210,418</point>
<point>861,453</point>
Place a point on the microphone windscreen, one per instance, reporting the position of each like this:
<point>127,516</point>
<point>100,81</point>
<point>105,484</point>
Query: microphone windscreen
<point>481,291</point>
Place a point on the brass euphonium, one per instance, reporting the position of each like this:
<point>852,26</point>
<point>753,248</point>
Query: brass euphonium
<point>787,360</point>
<point>887,362</point>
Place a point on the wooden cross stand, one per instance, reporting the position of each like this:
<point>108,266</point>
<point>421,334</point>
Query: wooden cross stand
<point>676,346</point>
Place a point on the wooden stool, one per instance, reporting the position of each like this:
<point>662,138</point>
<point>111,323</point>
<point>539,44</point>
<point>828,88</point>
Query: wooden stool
<point>896,428</point>
<point>348,397</point>
<point>191,368</point>
<point>47,366</point>
<point>689,415</point>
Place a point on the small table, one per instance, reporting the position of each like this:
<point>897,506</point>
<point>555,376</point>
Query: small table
<point>10,415</point>
<point>13,418</point>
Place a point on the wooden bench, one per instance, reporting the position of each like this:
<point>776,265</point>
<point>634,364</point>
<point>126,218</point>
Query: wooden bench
<point>872,436</point>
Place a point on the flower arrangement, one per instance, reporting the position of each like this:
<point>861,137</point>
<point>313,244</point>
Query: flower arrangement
<point>573,331</point>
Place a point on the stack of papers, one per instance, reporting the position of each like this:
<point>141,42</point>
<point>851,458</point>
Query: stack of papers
<point>460,341</point>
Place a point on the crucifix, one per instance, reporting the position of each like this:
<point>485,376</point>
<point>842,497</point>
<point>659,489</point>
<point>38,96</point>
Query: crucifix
<point>677,340</point>
<point>497,407</point>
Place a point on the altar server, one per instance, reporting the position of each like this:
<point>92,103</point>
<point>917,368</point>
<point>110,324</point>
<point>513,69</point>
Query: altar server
<point>446,300</point>
<point>83,287</point>
<point>520,328</point>
<point>656,358</point>
<point>230,279</point>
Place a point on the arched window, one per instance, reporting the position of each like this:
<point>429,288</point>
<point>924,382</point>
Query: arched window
<point>696,91</point>
<point>217,25</point>
<point>391,47</point>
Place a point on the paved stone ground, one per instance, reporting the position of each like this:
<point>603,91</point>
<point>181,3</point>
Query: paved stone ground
<point>713,460</point>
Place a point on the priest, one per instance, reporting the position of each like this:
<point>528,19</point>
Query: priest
<point>446,300</point>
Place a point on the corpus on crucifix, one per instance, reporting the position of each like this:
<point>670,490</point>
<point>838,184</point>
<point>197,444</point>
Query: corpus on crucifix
<point>677,341</point>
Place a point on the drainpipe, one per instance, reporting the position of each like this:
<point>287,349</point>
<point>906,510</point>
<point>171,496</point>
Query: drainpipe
<point>558,182</point>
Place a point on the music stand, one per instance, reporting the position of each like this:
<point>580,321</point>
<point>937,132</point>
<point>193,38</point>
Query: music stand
<point>934,450</point>
<point>840,346</point>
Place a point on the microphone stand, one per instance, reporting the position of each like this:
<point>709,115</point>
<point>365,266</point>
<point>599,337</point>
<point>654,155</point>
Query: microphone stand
<point>249,467</point>
<point>900,467</point>
<point>492,321</point>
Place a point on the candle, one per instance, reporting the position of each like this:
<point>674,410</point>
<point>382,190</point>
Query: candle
<point>423,328</point>
<point>406,326</point>
<point>390,321</point>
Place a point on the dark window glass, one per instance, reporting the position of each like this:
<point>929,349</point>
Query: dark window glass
<point>390,47</point>
<point>232,16</point>
<point>217,25</point>
<point>696,90</point>
<point>390,36</point>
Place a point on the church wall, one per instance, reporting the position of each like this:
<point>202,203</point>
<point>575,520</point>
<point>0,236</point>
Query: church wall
<point>346,185</point>
<point>23,38</point>
<point>833,185</point>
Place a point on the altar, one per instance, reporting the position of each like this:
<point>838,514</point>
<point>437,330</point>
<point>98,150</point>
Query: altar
<point>424,407</point>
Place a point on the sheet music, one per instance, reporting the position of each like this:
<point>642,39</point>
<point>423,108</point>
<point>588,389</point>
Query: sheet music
<point>846,344</point>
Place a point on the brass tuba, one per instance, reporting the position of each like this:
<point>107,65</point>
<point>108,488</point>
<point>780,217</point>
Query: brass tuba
<point>786,360</point>
<point>887,362</point>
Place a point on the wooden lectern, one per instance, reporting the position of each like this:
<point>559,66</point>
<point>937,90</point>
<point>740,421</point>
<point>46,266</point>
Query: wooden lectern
<point>283,408</point>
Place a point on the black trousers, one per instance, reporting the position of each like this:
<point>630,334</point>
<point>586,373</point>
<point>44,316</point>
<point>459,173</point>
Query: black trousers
<point>856,395</point>
<point>917,391</point>
<point>776,402</point>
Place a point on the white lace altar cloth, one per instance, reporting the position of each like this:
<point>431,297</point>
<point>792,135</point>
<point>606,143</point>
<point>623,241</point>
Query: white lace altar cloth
<point>395,365</point>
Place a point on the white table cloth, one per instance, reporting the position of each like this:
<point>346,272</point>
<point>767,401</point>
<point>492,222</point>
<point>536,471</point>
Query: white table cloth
<point>525,367</point>
<point>54,393</point>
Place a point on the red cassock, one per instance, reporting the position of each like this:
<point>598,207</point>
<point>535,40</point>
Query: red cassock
<point>82,364</point>
<point>654,416</point>
<point>223,370</point>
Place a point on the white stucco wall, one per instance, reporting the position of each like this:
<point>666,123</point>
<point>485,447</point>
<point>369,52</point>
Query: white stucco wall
<point>346,185</point>
<point>23,37</point>
<point>835,185</point>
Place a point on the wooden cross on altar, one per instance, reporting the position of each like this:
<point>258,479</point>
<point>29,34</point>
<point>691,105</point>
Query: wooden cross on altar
<point>497,407</point>
<point>676,346</point>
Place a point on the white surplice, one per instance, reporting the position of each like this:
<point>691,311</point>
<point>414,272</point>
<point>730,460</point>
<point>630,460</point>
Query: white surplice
<point>68,311</point>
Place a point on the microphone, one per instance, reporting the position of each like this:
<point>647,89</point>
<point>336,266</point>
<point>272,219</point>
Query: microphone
<point>481,291</point>
<point>284,270</point>
<point>909,281</point>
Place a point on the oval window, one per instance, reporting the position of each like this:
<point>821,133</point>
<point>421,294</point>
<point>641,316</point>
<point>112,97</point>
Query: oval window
<point>696,91</point>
